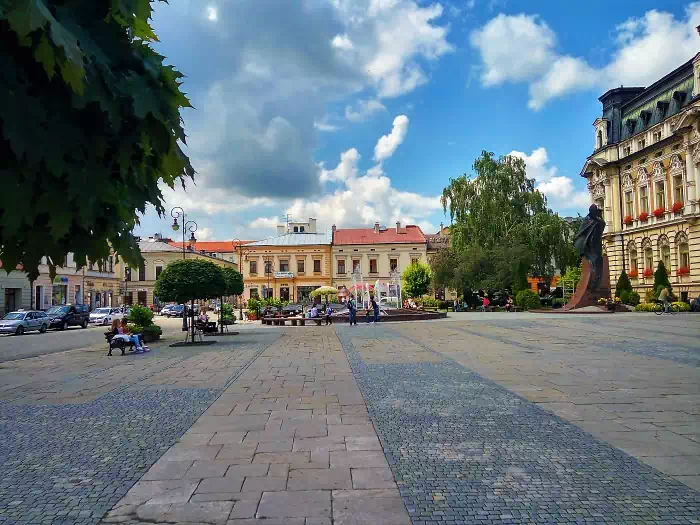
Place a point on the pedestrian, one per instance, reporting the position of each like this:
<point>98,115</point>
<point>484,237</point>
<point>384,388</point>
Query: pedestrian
<point>352,309</point>
<point>375,308</point>
<point>329,312</point>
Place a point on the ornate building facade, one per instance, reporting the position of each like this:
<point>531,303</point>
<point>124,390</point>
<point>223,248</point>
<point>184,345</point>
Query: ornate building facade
<point>644,174</point>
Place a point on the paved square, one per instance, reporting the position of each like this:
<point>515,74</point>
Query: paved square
<point>476,419</point>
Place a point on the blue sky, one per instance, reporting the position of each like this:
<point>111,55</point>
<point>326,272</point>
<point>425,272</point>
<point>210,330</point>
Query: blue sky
<point>356,111</point>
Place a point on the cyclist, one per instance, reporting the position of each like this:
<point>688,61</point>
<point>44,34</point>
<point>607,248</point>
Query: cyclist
<point>665,298</point>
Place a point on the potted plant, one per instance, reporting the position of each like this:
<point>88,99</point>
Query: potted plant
<point>628,220</point>
<point>141,322</point>
<point>683,270</point>
<point>677,207</point>
<point>643,216</point>
<point>648,272</point>
<point>659,212</point>
<point>634,274</point>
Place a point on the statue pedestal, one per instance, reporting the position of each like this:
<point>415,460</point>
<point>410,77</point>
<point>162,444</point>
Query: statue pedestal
<point>583,296</point>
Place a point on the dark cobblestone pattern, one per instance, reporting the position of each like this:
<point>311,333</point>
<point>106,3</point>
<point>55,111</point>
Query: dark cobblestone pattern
<point>70,464</point>
<point>661,349</point>
<point>464,450</point>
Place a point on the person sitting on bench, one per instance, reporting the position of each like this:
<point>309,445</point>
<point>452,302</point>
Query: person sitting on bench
<point>136,339</point>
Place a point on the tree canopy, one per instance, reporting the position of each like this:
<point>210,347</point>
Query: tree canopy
<point>502,229</point>
<point>233,280</point>
<point>189,279</point>
<point>415,280</point>
<point>90,127</point>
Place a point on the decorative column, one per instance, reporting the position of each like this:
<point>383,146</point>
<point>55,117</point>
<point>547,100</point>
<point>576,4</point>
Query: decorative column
<point>691,175</point>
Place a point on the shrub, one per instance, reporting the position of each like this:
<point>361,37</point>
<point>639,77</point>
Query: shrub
<point>623,285</point>
<point>527,300</point>
<point>644,307</point>
<point>227,316</point>
<point>683,307</point>
<point>630,298</point>
<point>558,302</point>
<point>430,302</point>
<point>254,306</point>
<point>661,277</point>
<point>651,296</point>
<point>140,316</point>
<point>444,305</point>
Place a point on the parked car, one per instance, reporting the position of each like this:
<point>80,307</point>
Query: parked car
<point>69,315</point>
<point>176,310</point>
<point>104,316</point>
<point>24,321</point>
<point>166,309</point>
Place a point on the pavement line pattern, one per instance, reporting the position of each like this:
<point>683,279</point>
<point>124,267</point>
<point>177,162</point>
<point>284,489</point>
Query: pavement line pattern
<point>465,450</point>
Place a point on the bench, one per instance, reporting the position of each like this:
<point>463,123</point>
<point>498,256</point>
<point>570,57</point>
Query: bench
<point>206,327</point>
<point>117,343</point>
<point>301,321</point>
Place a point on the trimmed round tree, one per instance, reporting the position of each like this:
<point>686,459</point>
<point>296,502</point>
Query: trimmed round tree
<point>233,281</point>
<point>661,280</point>
<point>415,280</point>
<point>190,279</point>
<point>623,284</point>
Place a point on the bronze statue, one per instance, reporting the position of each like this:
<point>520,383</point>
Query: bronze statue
<point>589,243</point>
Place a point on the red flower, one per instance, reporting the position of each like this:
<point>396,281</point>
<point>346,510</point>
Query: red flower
<point>643,216</point>
<point>634,274</point>
<point>683,270</point>
<point>648,272</point>
<point>677,206</point>
<point>628,220</point>
<point>659,212</point>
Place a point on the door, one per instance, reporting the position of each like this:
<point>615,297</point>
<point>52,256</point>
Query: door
<point>284,293</point>
<point>142,298</point>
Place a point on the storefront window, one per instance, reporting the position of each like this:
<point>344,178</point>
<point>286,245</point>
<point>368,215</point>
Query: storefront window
<point>304,292</point>
<point>60,294</point>
<point>284,293</point>
<point>254,293</point>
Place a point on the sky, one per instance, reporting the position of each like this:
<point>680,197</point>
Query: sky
<point>356,111</point>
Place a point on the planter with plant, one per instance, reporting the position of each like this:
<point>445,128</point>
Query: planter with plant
<point>659,212</point>
<point>634,274</point>
<point>683,270</point>
<point>648,272</point>
<point>628,220</point>
<point>677,207</point>
<point>141,322</point>
<point>643,216</point>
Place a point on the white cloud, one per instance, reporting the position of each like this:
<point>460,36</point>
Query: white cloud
<point>342,42</point>
<point>345,170</point>
<point>521,48</point>
<point>204,234</point>
<point>387,144</point>
<point>363,109</point>
<point>212,13</point>
<point>560,190</point>
<point>267,223</point>
<point>323,125</point>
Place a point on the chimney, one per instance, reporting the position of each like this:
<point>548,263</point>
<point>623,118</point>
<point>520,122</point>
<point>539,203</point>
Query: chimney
<point>376,227</point>
<point>399,229</point>
<point>333,228</point>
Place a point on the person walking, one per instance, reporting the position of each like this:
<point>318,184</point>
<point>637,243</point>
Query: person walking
<point>352,310</point>
<point>375,307</point>
<point>329,313</point>
<point>665,297</point>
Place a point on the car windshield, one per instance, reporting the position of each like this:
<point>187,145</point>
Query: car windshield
<point>14,316</point>
<point>57,310</point>
<point>102,311</point>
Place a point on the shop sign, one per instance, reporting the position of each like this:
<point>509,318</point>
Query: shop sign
<point>58,280</point>
<point>284,275</point>
<point>89,283</point>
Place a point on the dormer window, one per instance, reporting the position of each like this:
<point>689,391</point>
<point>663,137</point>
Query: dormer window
<point>631,123</point>
<point>645,116</point>
<point>641,144</point>
<point>301,229</point>
<point>296,229</point>
<point>599,140</point>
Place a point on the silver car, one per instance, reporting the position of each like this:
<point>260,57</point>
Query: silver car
<point>23,321</point>
<point>104,316</point>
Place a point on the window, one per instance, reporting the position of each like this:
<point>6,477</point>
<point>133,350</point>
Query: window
<point>284,293</point>
<point>641,144</point>
<point>415,260</point>
<point>626,151</point>
<point>643,199</point>
<point>599,140</point>
<point>317,265</point>
<point>301,229</point>
<point>300,266</point>
<point>111,263</point>
<point>284,266</point>
<point>657,136</point>
<point>253,269</point>
<point>634,263</point>
<point>393,264</point>
<point>660,195</point>
<point>268,267</point>
<point>142,272</point>
<point>296,229</point>
<point>356,265</point>
<point>683,255</point>
<point>373,266</point>
<point>666,257</point>
<point>649,259</point>
<point>341,266</point>
<point>127,273</point>
<point>159,270</point>
<point>254,293</point>
<point>678,189</point>
<point>629,204</point>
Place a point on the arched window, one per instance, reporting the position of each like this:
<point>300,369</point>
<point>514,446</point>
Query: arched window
<point>648,256</point>
<point>634,261</point>
<point>665,252</point>
<point>296,229</point>
<point>683,252</point>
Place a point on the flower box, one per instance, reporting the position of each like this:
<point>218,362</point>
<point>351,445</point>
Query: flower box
<point>677,207</point>
<point>659,212</point>
<point>633,274</point>
<point>648,272</point>
<point>643,216</point>
<point>683,270</point>
<point>628,220</point>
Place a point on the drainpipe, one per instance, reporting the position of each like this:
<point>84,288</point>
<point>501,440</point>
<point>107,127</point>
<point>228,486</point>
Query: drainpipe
<point>622,216</point>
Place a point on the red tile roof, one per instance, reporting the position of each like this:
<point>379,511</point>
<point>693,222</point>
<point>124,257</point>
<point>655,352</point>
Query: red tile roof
<point>214,246</point>
<point>389,236</point>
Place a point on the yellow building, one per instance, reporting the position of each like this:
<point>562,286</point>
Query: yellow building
<point>375,252</point>
<point>644,174</point>
<point>290,265</point>
<point>136,284</point>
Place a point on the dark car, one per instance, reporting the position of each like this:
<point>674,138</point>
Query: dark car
<point>176,310</point>
<point>69,315</point>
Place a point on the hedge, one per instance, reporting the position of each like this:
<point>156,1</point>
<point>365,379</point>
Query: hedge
<point>527,300</point>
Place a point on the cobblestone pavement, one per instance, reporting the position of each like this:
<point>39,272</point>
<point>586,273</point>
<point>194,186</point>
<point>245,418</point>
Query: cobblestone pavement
<point>79,429</point>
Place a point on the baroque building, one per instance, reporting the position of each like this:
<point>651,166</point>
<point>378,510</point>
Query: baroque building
<point>644,174</point>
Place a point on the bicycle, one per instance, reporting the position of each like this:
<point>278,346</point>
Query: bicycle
<point>672,308</point>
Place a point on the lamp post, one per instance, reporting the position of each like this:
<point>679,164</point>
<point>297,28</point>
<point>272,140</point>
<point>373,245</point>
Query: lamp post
<point>187,226</point>
<point>240,269</point>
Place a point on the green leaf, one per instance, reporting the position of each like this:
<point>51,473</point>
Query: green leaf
<point>72,75</point>
<point>28,15</point>
<point>44,54</point>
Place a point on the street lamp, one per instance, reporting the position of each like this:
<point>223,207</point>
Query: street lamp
<point>187,226</point>
<point>240,269</point>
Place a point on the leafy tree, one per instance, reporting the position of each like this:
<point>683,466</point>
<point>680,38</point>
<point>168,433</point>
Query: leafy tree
<point>661,280</point>
<point>623,285</point>
<point>415,280</point>
<point>190,279</point>
<point>90,127</point>
<point>233,280</point>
